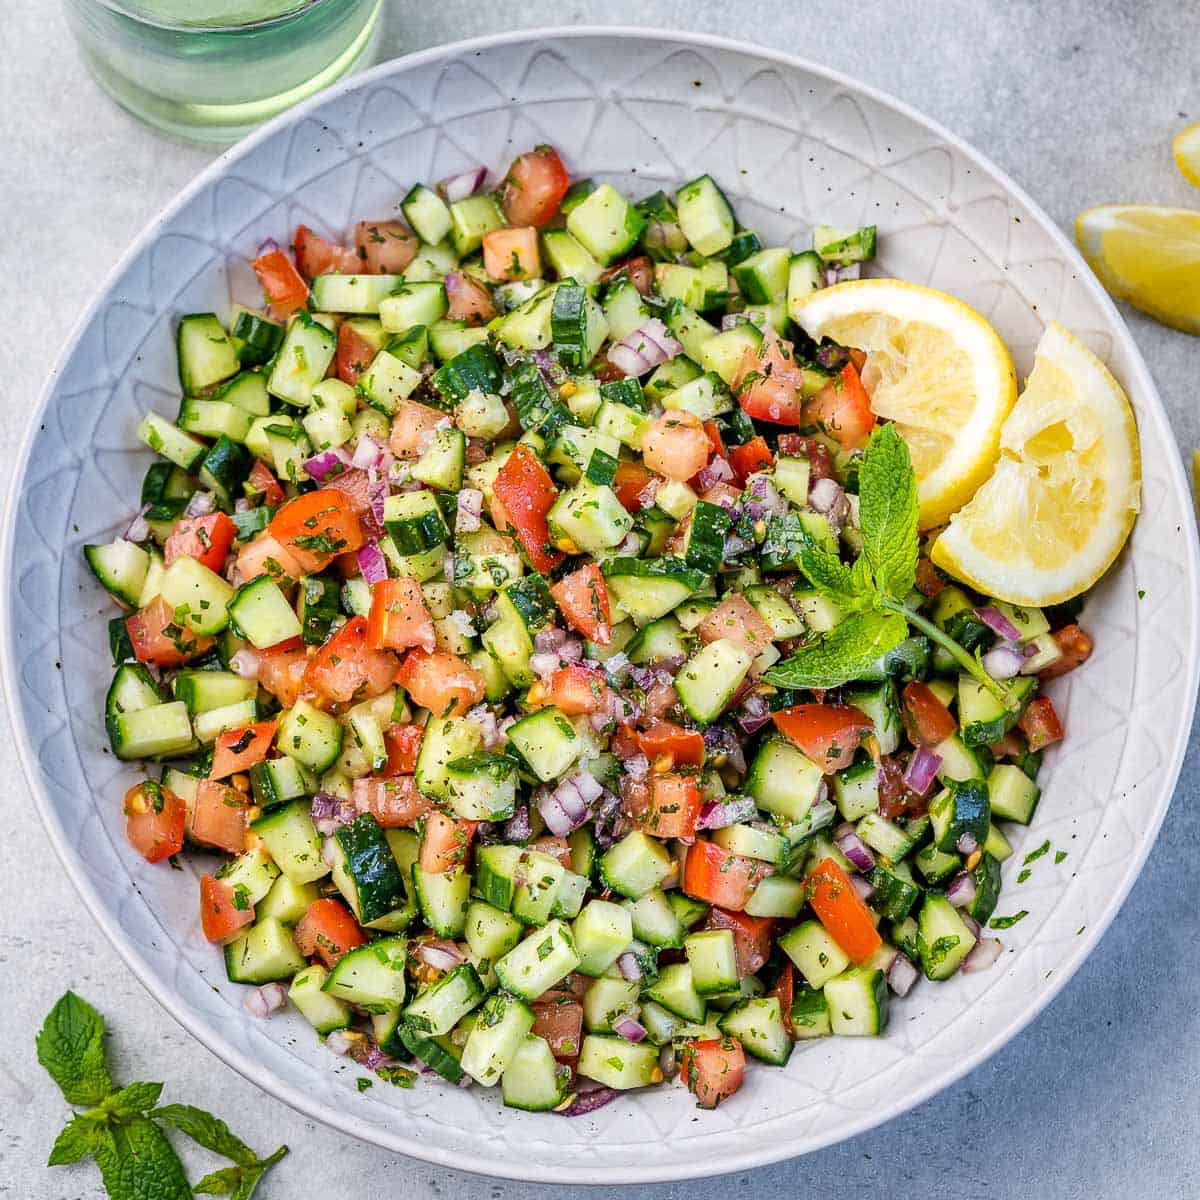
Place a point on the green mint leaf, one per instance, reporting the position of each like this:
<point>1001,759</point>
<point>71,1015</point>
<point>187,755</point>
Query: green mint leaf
<point>210,1132</point>
<point>70,1045</point>
<point>887,492</point>
<point>77,1141</point>
<point>844,654</point>
<point>248,1182</point>
<point>133,1100</point>
<point>138,1163</point>
<point>238,1182</point>
<point>219,1183</point>
<point>830,576</point>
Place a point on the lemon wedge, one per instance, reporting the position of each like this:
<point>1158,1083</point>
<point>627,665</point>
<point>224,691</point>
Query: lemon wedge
<point>935,367</point>
<point>1064,495</point>
<point>1186,147</point>
<point>1146,254</point>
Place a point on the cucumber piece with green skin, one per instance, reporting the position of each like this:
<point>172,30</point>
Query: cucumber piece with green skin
<point>566,254</point>
<point>542,959</point>
<point>958,813</point>
<point>627,391</point>
<point>704,542</point>
<point>122,567</point>
<point>410,347</point>
<point>255,338</point>
<point>483,787</point>
<point>371,976</point>
<point>669,377</point>
<point>607,1000</point>
<point>705,216</point>
<point>841,247</point>
<point>263,615</point>
<point>442,462</point>
<point>319,606</point>
<point>225,467</point>
<point>635,865</point>
<point>443,898</point>
<point>657,641</point>
<point>498,1034</point>
<point>655,921</point>
<point>646,590</point>
<point>1012,795</point>
<point>387,382</point>
<point>748,841</point>
<point>856,790</point>
<point>810,1014</point>
<point>943,937</point>
<point>676,992</point>
<point>763,277</point>
<point>209,725</point>
<point>180,448</point>
<point>606,224</point>
<point>816,955</point>
<point>758,1024</point>
<point>620,421</point>
<point>588,517</point>
<point>934,864</point>
<point>576,445</point>
<point>476,369</point>
<point>159,731</point>
<point>441,1005</point>
<point>250,875</point>
<point>356,294</point>
<point>496,868</point>
<point>960,763</point>
<point>278,780</point>
<point>414,522</point>
<point>213,418</point>
<point>287,901</point>
<point>713,959</point>
<point>616,1063</point>
<point>528,327</point>
<point>986,875</point>
<point>623,307</point>
<point>534,1080</point>
<point>777,896</point>
<point>674,281</point>
<point>264,953</point>
<point>438,1054</point>
<point>546,742</point>
<point>484,561</point>
<point>858,1003</point>
<point>690,328</point>
<point>783,780</point>
<point>602,931</point>
<point>882,705</point>
<point>365,870</point>
<point>779,615</point>
<point>578,326</point>
<point>538,409</point>
<point>312,737</point>
<point>896,892</point>
<point>323,1012</point>
<point>491,932</point>
<point>206,355</point>
<point>416,303</point>
<point>884,837</point>
<point>427,214</point>
<point>806,274</point>
<point>470,220</point>
<point>303,358</point>
<point>984,718</point>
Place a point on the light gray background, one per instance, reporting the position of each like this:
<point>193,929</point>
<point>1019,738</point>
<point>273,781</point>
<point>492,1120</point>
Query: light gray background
<point>1078,100</point>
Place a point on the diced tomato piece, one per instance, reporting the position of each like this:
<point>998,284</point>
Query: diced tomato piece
<point>411,426</point>
<point>685,747</point>
<point>316,527</point>
<point>445,842</point>
<point>716,443</point>
<point>828,733</point>
<point>751,937</point>
<point>769,384</point>
<point>441,682</point>
<point>894,798</point>
<point>737,619</point>
<point>676,445</point>
<point>223,913</point>
<point>206,539</point>
<point>784,990</point>
<point>510,254</point>
<point>1041,725</point>
<point>723,494</point>
<point>328,931</point>
<point>267,555</point>
<point>155,821</point>
<point>712,1069</point>
<point>560,1022</point>
<point>556,847</point>
<point>346,667</point>
<point>316,255</point>
<point>842,409</point>
<point>354,354</point>
<point>534,187</point>
<point>399,617</point>
<point>525,489</point>
<point>582,597</point>
<point>284,286</point>
<point>219,816</point>
<point>658,701</point>
<point>630,481</point>
<point>403,745</point>
<point>262,481</point>
<point>281,672</point>
<point>1075,647</point>
<point>355,485</point>
<point>468,299</point>
<point>240,749</point>
<point>820,461</point>
<point>751,456</point>
<point>928,721</point>
<point>669,806</point>
<point>158,640</point>
<point>394,802</point>
<point>624,741</point>
<point>385,247</point>
<point>638,270</point>
<point>842,911</point>
<point>722,878</point>
<point>577,689</point>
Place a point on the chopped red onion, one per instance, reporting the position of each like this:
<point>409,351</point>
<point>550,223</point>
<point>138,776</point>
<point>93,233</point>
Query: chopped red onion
<point>374,1059</point>
<point>544,664</point>
<point>628,362</point>
<point>862,887</point>
<point>630,545</point>
<point>470,506</point>
<point>1004,660</point>
<point>341,1042</point>
<point>330,813</point>
<point>327,462</point>
<point>518,827</point>
<point>664,237</point>
<point>998,623</point>
<point>842,274</point>
<point>967,844</point>
<point>266,246</point>
<point>139,528</point>
<point>902,975</point>
<point>827,496</point>
<point>647,496</point>
<point>645,348</point>
<point>489,727</point>
<point>762,491</point>
<point>371,562</point>
<point>629,1029</point>
<point>565,807</point>
<point>441,956</point>
<point>638,767</point>
<point>853,847</point>
<point>717,471</point>
<point>464,184</point>
<point>982,955</point>
<point>549,639</point>
<point>245,663</point>
<point>970,922</point>
<point>367,453</point>
<point>587,1102</point>
<point>242,505</point>
<point>629,966</point>
<point>922,770</point>
<point>718,814</point>
<point>725,749</point>
<point>735,545</point>
<point>753,714</point>
<point>263,1001</point>
<point>328,851</point>
<point>201,504</point>
<point>962,890</point>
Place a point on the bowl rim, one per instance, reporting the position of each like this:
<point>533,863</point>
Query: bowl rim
<point>386,1137</point>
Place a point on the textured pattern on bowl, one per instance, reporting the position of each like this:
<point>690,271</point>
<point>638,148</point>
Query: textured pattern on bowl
<point>792,145</point>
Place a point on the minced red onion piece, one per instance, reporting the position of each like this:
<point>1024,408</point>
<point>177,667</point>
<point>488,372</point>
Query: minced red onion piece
<point>649,493</point>
<point>489,727</point>
<point>464,184</point>
<point>762,491</point>
<point>565,807</point>
<point>549,639</point>
<point>718,814</point>
<point>629,1029</point>
<point>962,890</point>
<point>853,847</point>
<point>440,956</point>
<point>330,813</point>
<point>717,471</point>
<point>902,975</point>
<point>983,955</point>
<point>328,849</point>
<point>588,1102</point>
<point>518,828</point>
<point>327,462</point>
<point>139,528</point>
<point>470,506</point>
<point>371,562</point>
<point>242,505</point>
<point>1004,660</point>
<point>544,664</point>
<point>627,361</point>
<point>367,453</point>
<point>998,623</point>
<point>201,504</point>
<point>263,1001</point>
<point>967,843</point>
<point>827,496</point>
<point>754,713</point>
<point>629,966</point>
<point>638,766</point>
<point>862,887</point>
<point>922,770</point>
<point>374,1059</point>
<point>972,924</point>
<point>245,663</point>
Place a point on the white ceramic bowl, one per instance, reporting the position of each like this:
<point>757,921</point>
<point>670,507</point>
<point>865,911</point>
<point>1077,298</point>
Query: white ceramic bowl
<point>792,144</point>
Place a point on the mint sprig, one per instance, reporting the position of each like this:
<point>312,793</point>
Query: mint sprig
<point>874,592</point>
<point>122,1129</point>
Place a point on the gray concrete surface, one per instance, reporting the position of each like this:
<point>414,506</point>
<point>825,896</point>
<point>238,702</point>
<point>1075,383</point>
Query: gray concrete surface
<point>1078,99</point>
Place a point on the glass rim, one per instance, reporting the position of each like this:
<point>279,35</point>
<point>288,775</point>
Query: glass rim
<point>129,8</point>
